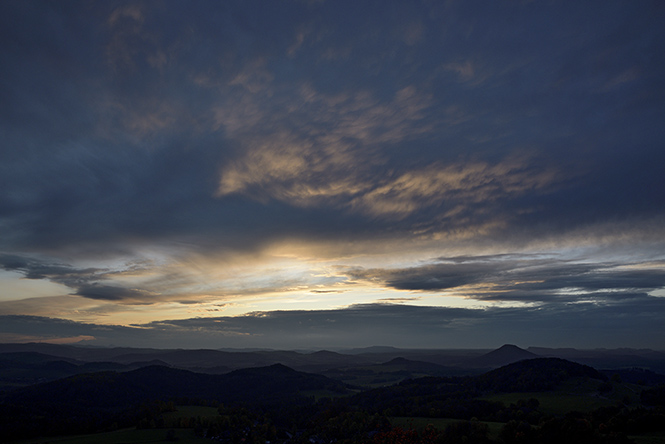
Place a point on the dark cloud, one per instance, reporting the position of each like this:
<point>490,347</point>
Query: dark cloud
<point>126,114</point>
<point>411,326</point>
<point>577,325</point>
<point>523,278</point>
<point>37,328</point>
<point>87,282</point>
<point>109,292</point>
<point>33,268</point>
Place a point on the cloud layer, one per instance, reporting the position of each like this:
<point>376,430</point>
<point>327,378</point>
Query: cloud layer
<point>580,325</point>
<point>334,153</point>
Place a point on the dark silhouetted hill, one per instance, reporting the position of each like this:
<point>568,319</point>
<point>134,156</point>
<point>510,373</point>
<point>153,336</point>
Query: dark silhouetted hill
<point>464,397</point>
<point>374,349</point>
<point>26,368</point>
<point>112,390</point>
<point>413,368</point>
<point>620,358</point>
<point>198,360</point>
<point>24,364</point>
<point>506,354</point>
<point>538,374</point>
<point>29,358</point>
<point>78,353</point>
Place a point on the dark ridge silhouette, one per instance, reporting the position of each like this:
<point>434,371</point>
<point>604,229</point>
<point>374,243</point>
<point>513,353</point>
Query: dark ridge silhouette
<point>22,364</point>
<point>326,354</point>
<point>25,368</point>
<point>325,357</point>
<point>217,370</point>
<point>90,367</point>
<point>538,374</point>
<point>620,358</point>
<point>28,357</point>
<point>60,366</point>
<point>372,349</point>
<point>76,352</point>
<point>59,350</point>
<point>91,402</point>
<point>180,358</point>
<point>275,382</point>
<point>506,354</point>
<point>117,390</point>
<point>417,366</point>
<point>137,365</point>
<point>462,397</point>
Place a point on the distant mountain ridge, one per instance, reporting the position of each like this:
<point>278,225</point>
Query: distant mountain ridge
<point>24,364</point>
<point>506,354</point>
<point>107,400</point>
<point>620,358</point>
<point>123,389</point>
<point>195,359</point>
<point>268,385</point>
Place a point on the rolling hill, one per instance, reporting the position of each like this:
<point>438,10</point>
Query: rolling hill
<point>122,389</point>
<point>506,354</point>
<point>511,394</point>
<point>540,374</point>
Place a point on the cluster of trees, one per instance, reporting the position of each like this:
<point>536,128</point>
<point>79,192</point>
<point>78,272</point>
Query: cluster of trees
<point>343,421</point>
<point>462,432</point>
<point>654,396</point>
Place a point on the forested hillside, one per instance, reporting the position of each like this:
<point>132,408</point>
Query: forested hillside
<point>515,403</point>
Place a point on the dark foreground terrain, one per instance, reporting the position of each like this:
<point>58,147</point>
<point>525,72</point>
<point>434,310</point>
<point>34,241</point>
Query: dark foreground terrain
<point>510,395</point>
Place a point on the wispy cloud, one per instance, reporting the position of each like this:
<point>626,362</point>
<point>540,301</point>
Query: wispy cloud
<point>328,155</point>
<point>454,188</point>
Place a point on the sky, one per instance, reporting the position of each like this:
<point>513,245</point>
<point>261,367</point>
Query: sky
<point>303,174</point>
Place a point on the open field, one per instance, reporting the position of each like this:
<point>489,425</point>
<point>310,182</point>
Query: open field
<point>578,394</point>
<point>125,436</point>
<point>555,403</point>
<point>649,438</point>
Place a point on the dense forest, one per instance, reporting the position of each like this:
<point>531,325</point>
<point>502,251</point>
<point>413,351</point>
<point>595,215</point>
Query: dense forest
<point>543,400</point>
